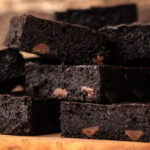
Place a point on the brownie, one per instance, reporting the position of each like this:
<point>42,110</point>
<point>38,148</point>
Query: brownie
<point>125,45</point>
<point>97,17</point>
<point>61,82</point>
<point>70,44</point>
<point>88,83</point>
<point>12,69</point>
<point>23,115</point>
<point>128,122</point>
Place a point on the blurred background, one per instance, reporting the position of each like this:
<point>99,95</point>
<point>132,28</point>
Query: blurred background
<point>46,8</point>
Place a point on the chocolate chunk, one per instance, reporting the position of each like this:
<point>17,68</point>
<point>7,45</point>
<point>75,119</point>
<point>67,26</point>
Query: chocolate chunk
<point>100,58</point>
<point>88,90</point>
<point>134,135</point>
<point>89,132</point>
<point>61,93</point>
<point>41,48</point>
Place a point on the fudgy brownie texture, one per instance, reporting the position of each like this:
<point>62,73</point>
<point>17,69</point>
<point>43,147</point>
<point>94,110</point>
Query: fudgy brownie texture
<point>71,44</point>
<point>114,122</point>
<point>23,115</point>
<point>62,82</point>
<point>12,69</point>
<point>97,17</point>
<point>88,83</point>
<point>125,45</point>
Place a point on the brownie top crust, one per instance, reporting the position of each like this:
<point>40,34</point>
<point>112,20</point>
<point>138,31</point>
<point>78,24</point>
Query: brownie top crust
<point>72,44</point>
<point>97,17</point>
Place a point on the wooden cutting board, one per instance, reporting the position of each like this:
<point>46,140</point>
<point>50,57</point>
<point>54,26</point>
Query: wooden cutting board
<point>55,142</point>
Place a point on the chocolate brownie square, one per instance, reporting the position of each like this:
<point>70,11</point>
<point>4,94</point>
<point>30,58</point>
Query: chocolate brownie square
<point>62,82</point>
<point>70,44</point>
<point>23,115</point>
<point>129,122</point>
<point>12,69</point>
<point>97,17</point>
<point>88,83</point>
<point>127,45</point>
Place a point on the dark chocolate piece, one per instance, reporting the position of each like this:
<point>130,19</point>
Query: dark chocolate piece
<point>97,17</point>
<point>23,115</point>
<point>125,45</point>
<point>112,122</point>
<point>88,83</point>
<point>71,44</point>
<point>12,69</point>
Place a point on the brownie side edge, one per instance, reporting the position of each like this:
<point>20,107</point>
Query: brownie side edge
<point>15,31</point>
<point>129,122</point>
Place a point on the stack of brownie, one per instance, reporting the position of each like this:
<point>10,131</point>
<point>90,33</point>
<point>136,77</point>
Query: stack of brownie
<point>100,77</point>
<point>21,114</point>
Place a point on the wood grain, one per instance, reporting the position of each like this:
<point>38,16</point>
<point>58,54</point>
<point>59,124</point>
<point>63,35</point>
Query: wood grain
<point>58,143</point>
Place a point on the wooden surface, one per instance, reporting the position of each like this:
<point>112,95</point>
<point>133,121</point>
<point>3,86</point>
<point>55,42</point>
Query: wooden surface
<point>55,142</point>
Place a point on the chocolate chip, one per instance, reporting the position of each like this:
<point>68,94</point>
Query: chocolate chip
<point>134,135</point>
<point>41,48</point>
<point>110,95</point>
<point>100,58</point>
<point>138,93</point>
<point>90,131</point>
<point>18,88</point>
<point>88,90</point>
<point>61,93</point>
